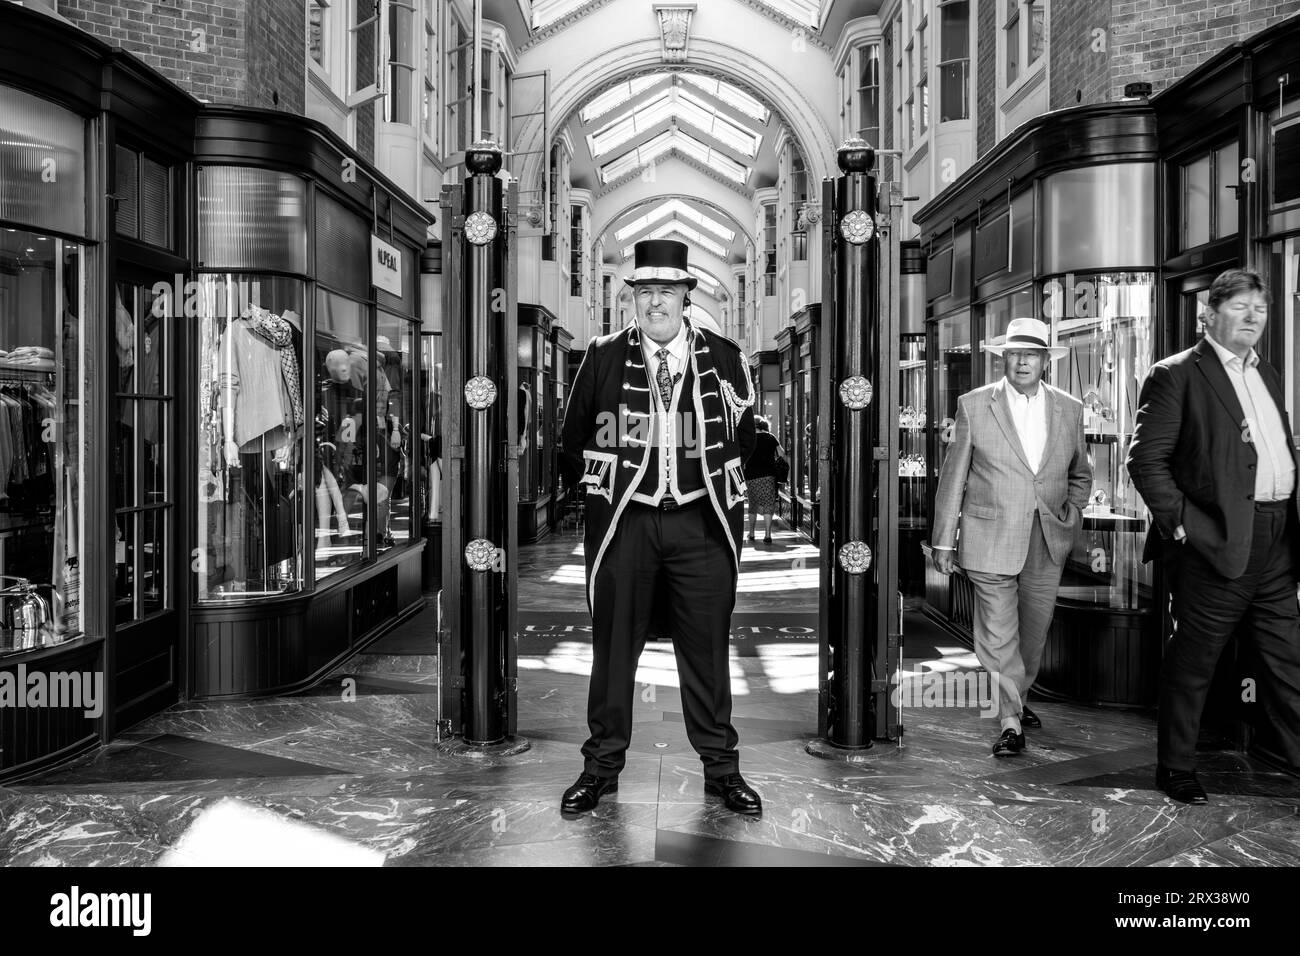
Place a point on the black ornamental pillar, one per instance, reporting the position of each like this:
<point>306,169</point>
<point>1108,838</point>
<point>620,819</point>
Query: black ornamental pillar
<point>857,444</point>
<point>479,596</point>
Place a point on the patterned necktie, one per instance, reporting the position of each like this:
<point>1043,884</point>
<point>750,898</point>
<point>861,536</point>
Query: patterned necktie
<point>664,379</point>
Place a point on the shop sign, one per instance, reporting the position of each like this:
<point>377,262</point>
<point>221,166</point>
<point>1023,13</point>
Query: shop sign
<point>385,266</point>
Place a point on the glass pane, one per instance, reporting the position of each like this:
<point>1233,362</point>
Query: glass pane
<point>124,568</point>
<point>316,31</point>
<point>432,434</point>
<point>524,421</point>
<point>1227,174</point>
<point>150,346</point>
<point>954,39</point>
<point>395,449</point>
<point>1087,221</point>
<point>997,314</point>
<point>1196,202</point>
<point>153,433</point>
<point>153,561</point>
<point>342,248</point>
<point>252,417</point>
<point>124,479</point>
<point>1106,321</point>
<point>342,472</point>
<point>252,219</point>
<point>124,339</point>
<point>953,101</point>
<point>126,200</point>
<point>40,427</point>
<point>155,203</point>
<point>42,163</point>
<point>541,422</point>
<point>1036,20</point>
<point>952,377</point>
<point>1012,41</point>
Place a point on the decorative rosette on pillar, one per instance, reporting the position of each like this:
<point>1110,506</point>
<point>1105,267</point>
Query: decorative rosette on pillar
<point>480,392</point>
<point>480,554</point>
<point>855,557</point>
<point>856,392</point>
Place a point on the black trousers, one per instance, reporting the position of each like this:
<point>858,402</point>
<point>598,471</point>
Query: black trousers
<point>1207,610</point>
<point>681,557</point>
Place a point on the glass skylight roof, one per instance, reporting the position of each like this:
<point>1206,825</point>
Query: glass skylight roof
<point>733,96</point>
<point>618,95</point>
<point>686,144</point>
<point>686,107</point>
<point>679,210</point>
<point>673,228</point>
<point>706,280</point>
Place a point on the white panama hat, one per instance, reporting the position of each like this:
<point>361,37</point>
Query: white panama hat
<point>1028,334</point>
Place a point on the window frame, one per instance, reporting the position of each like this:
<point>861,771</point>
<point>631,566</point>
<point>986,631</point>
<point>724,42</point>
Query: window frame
<point>943,64</point>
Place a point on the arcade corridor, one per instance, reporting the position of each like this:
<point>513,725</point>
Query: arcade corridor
<point>323,777</point>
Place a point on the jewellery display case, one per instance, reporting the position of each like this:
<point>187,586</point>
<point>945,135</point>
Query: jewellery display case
<point>913,426</point>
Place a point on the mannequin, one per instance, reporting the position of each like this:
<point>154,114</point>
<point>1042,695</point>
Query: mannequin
<point>336,437</point>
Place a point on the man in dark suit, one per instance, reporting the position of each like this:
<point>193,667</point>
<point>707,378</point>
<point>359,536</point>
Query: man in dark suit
<point>1214,460</point>
<point>659,424</point>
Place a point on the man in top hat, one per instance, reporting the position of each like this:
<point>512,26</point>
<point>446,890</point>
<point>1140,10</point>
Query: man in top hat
<point>659,424</point>
<point>1011,494</point>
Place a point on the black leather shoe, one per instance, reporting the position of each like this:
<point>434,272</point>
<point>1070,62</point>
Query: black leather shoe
<point>1009,743</point>
<point>1030,719</point>
<point>1181,785</point>
<point>586,793</point>
<point>739,796</point>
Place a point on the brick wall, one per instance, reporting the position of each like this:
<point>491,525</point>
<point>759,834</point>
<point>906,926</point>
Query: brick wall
<point>199,46</point>
<point>235,52</point>
<point>1161,41</point>
<point>277,31</point>
<point>1080,58</point>
<point>986,95</point>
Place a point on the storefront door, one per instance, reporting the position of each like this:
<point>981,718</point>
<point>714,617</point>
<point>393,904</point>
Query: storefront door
<point>144,665</point>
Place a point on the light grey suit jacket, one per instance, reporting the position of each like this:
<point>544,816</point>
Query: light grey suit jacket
<point>987,480</point>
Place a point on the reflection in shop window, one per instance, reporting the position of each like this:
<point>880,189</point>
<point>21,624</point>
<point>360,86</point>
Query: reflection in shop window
<point>251,429</point>
<point>394,452</point>
<point>41,481</point>
<point>341,482</point>
<point>432,434</point>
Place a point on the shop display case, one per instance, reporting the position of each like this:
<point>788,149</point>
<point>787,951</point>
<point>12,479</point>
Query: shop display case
<point>913,427</point>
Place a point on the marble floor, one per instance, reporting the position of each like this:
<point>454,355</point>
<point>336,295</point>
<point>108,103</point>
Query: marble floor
<point>348,773</point>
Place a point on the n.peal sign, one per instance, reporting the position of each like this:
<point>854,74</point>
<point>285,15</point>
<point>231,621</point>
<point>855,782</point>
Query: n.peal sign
<point>385,266</point>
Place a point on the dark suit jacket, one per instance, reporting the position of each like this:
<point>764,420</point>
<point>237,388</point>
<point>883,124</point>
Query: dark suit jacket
<point>604,438</point>
<point>1189,460</point>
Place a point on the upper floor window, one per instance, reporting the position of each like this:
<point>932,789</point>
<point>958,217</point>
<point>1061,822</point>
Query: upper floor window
<point>922,83</point>
<point>954,61</point>
<point>576,247</point>
<point>401,62</point>
<point>316,15</point>
<point>868,93</point>
<point>458,95</point>
<point>798,196</point>
<point>429,110</point>
<point>1024,36</point>
<point>769,248</point>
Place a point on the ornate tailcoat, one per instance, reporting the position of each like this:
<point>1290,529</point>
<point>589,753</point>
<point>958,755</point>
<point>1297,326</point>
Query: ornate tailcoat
<point>607,427</point>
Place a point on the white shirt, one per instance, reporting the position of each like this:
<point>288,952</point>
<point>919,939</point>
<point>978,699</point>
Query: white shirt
<point>1030,417</point>
<point>666,423</point>
<point>1275,474</point>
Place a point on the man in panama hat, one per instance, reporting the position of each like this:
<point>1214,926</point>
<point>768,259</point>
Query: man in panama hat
<point>658,427</point>
<point>1011,494</point>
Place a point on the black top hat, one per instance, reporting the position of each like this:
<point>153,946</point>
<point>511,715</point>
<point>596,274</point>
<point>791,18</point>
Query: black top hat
<point>660,260</point>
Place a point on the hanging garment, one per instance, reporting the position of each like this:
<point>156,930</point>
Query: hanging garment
<point>252,383</point>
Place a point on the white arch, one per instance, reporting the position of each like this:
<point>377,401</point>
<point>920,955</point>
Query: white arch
<point>737,65</point>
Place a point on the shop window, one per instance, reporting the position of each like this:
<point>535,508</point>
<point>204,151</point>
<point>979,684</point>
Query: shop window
<point>401,61</point>
<point>1285,166</point>
<point>1106,320</point>
<point>252,425</point>
<point>342,248</point>
<point>394,451</point>
<point>342,432</point>
<point>431,475</point>
<point>42,163</point>
<point>952,378</point>
<point>41,465</point>
<point>141,426</point>
<point>1088,217</point>
<point>1208,188</point>
<point>954,61</point>
<point>995,316</point>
